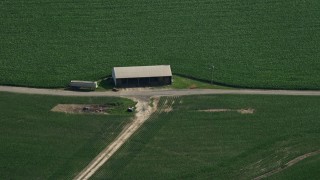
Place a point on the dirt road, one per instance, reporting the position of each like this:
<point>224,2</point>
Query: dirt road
<point>156,92</point>
<point>144,110</point>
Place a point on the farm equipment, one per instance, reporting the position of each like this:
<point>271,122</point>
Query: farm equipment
<point>83,85</point>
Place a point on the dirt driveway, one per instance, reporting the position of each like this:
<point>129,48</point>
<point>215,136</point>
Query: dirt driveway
<point>144,111</point>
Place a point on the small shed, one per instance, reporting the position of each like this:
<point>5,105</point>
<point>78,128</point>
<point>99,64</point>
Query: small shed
<point>135,76</point>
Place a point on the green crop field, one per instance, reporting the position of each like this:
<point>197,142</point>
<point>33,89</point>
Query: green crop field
<point>258,44</point>
<point>188,144</point>
<point>39,144</point>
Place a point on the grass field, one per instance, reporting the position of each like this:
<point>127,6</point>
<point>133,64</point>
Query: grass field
<point>265,44</point>
<point>188,144</point>
<point>39,144</point>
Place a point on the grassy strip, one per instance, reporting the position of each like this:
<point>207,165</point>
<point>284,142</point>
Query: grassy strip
<point>180,82</point>
<point>265,44</point>
<point>39,144</point>
<point>188,144</point>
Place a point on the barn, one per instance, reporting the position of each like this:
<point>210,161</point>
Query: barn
<point>135,76</point>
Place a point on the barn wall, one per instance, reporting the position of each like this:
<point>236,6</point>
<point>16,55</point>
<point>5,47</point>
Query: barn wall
<point>141,82</point>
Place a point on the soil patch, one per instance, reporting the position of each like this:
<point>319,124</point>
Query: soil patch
<point>81,108</point>
<point>215,110</point>
<point>246,111</point>
<point>241,111</point>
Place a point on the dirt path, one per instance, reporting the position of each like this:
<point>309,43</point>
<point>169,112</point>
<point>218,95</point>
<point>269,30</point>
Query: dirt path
<point>144,111</point>
<point>157,92</point>
<point>287,165</point>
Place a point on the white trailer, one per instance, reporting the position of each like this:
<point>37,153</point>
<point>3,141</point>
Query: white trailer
<point>88,85</point>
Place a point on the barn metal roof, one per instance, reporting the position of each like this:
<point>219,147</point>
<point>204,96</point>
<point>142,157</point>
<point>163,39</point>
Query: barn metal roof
<point>142,71</point>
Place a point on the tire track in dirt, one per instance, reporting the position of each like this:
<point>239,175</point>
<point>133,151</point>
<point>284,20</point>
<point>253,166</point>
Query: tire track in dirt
<point>288,164</point>
<point>144,111</point>
<point>168,104</point>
